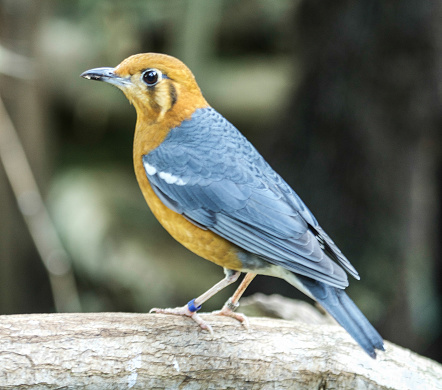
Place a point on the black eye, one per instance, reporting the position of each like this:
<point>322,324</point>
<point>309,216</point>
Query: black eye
<point>151,76</point>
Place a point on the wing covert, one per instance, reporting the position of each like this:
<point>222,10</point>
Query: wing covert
<point>208,172</point>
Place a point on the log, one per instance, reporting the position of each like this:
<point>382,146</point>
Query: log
<point>153,351</point>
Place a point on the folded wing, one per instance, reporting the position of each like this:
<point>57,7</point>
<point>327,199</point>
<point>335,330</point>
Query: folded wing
<point>223,184</point>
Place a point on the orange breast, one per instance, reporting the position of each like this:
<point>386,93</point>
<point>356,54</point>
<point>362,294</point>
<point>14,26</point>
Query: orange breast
<point>149,135</point>
<point>204,243</point>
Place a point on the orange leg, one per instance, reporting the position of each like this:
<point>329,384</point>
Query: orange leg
<point>232,304</point>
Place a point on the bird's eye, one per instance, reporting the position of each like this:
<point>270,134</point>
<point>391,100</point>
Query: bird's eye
<point>151,77</point>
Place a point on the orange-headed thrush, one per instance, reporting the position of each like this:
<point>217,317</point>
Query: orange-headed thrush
<point>215,194</point>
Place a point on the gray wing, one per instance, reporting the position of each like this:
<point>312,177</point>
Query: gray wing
<point>208,172</point>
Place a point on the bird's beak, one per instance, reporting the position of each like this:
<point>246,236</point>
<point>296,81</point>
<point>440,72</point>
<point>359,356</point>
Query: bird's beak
<point>107,75</point>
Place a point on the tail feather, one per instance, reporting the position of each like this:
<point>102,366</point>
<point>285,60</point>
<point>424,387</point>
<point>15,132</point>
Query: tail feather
<point>336,302</point>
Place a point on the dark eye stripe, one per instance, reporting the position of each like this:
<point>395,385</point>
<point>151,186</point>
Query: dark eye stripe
<point>173,95</point>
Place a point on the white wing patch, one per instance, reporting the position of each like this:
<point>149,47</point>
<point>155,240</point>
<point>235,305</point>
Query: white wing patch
<point>150,170</point>
<point>166,176</point>
<point>171,179</point>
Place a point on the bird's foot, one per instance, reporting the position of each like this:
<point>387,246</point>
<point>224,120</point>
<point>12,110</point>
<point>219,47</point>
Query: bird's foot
<point>228,310</point>
<point>188,310</point>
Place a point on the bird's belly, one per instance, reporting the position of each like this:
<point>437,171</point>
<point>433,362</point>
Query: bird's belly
<point>202,242</point>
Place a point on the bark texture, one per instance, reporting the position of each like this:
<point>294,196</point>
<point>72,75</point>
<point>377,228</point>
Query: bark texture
<point>151,351</point>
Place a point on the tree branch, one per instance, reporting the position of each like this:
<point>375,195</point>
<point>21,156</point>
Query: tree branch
<point>145,351</point>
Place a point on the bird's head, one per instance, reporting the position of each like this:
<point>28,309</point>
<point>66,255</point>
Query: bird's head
<point>156,84</point>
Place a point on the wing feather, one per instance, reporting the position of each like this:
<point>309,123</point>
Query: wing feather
<point>208,172</point>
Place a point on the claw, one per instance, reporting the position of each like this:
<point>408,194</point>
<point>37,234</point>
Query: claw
<point>184,311</point>
<point>179,311</point>
<point>227,312</point>
<point>203,324</point>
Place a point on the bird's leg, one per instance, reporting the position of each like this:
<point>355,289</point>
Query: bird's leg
<point>191,309</point>
<point>232,303</point>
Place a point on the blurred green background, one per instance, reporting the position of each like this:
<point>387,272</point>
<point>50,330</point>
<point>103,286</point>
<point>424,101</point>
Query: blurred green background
<point>342,98</point>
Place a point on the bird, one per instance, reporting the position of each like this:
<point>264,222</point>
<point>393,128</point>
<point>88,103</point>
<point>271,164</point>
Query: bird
<point>211,189</point>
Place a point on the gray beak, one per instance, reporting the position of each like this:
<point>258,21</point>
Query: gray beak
<point>107,75</point>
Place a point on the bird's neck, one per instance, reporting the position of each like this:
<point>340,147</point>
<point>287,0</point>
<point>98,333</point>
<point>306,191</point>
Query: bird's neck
<point>154,125</point>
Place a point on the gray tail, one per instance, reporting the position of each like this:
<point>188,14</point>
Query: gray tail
<point>346,313</point>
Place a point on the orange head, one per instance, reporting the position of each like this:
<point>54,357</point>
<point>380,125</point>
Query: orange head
<point>157,85</point>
